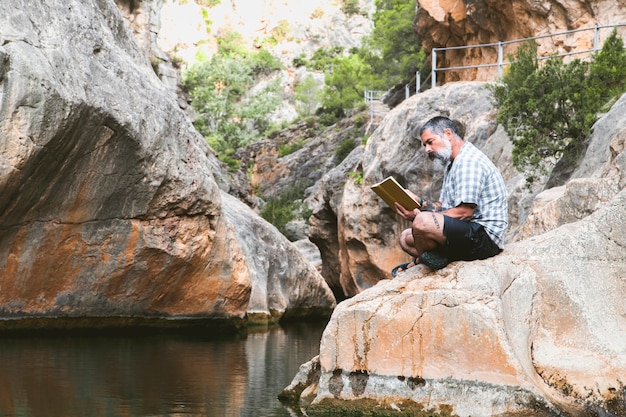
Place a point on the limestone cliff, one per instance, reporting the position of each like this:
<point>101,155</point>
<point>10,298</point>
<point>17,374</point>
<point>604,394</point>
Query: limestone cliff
<point>446,23</point>
<point>110,208</point>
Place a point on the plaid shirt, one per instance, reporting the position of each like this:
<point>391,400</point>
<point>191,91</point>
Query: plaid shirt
<point>472,178</point>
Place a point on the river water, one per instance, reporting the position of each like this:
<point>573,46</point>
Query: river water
<point>154,375</point>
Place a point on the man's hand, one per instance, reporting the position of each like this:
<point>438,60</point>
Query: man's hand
<point>404,213</point>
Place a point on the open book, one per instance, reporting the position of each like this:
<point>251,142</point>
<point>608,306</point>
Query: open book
<point>391,191</point>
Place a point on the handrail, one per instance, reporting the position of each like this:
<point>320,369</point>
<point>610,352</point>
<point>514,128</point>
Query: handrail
<point>500,45</point>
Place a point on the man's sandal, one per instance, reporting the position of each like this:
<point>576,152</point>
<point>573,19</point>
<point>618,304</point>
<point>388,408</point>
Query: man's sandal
<point>402,267</point>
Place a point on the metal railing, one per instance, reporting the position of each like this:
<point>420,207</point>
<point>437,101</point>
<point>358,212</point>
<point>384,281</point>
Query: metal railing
<point>370,97</point>
<point>501,51</point>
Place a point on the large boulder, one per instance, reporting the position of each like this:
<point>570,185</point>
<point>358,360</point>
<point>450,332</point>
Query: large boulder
<point>538,330</point>
<point>110,205</point>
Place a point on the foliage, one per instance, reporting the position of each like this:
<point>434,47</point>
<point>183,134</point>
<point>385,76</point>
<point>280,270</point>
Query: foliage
<point>308,96</point>
<point>229,114</point>
<point>608,69</point>
<point>209,3</point>
<point>548,110</point>
<point>286,207</point>
<point>343,150</point>
<point>390,55</point>
<point>290,148</point>
<point>350,7</point>
<point>393,50</point>
<point>281,31</point>
<point>345,84</point>
<point>320,60</point>
<point>357,176</point>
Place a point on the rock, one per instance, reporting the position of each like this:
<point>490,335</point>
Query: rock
<point>111,208</point>
<point>324,229</point>
<point>539,329</point>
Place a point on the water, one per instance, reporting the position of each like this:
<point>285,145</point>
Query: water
<point>153,375</point>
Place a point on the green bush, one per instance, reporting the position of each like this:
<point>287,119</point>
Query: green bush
<point>308,96</point>
<point>608,69</point>
<point>229,115</point>
<point>548,110</point>
<point>350,7</point>
<point>343,150</point>
<point>290,148</point>
<point>286,206</point>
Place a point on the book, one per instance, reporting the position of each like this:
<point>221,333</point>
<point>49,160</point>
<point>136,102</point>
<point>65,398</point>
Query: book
<point>391,191</point>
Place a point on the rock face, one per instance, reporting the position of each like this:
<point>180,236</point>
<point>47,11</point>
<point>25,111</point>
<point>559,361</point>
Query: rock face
<point>109,204</point>
<point>444,23</point>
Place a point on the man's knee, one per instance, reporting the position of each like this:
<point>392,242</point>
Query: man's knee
<point>421,223</point>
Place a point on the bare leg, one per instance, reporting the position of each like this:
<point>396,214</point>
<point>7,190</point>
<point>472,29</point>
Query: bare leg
<point>426,233</point>
<point>427,229</point>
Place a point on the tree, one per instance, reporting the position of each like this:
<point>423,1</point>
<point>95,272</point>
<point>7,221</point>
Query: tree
<point>608,69</point>
<point>345,84</point>
<point>393,50</point>
<point>308,96</point>
<point>548,110</point>
<point>230,115</point>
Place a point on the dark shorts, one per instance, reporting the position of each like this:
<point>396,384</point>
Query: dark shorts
<point>467,241</point>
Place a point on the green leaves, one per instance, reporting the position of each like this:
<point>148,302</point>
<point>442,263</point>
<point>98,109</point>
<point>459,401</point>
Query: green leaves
<point>230,114</point>
<point>548,110</point>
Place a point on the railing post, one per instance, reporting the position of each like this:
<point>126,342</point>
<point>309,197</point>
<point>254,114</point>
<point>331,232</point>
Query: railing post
<point>500,58</point>
<point>418,82</point>
<point>596,38</point>
<point>433,75</point>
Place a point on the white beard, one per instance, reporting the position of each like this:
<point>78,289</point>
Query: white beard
<point>442,158</point>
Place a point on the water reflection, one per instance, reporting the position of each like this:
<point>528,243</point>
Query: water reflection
<point>158,375</point>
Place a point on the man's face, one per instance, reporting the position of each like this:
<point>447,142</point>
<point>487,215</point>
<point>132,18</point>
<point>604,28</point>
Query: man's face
<point>437,146</point>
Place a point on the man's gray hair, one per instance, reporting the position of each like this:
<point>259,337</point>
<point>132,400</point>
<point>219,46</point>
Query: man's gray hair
<point>440,123</point>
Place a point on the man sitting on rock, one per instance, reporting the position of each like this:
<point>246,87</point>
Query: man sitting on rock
<point>469,221</point>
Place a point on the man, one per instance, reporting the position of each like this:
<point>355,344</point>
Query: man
<point>469,221</point>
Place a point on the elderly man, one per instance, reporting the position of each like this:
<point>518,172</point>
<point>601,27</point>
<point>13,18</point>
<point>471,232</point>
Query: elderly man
<point>469,221</point>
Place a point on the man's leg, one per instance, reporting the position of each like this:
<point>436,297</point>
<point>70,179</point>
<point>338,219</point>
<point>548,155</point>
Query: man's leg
<point>427,231</point>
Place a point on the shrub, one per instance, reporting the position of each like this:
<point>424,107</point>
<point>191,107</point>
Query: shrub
<point>308,96</point>
<point>548,111</point>
<point>286,206</point>
<point>229,115</point>
<point>343,150</point>
<point>290,148</point>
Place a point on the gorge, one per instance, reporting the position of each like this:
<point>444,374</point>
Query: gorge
<point>115,212</point>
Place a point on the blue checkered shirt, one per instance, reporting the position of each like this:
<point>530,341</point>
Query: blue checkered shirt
<point>473,179</point>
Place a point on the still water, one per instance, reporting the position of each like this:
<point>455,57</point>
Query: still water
<point>154,375</point>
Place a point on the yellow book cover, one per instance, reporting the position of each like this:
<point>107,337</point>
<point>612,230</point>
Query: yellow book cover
<point>391,191</point>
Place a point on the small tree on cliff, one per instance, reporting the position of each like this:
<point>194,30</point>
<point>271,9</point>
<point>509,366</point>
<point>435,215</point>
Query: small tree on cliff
<point>548,110</point>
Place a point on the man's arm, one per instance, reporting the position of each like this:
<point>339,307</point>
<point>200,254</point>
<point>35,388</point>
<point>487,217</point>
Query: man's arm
<point>463,211</point>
